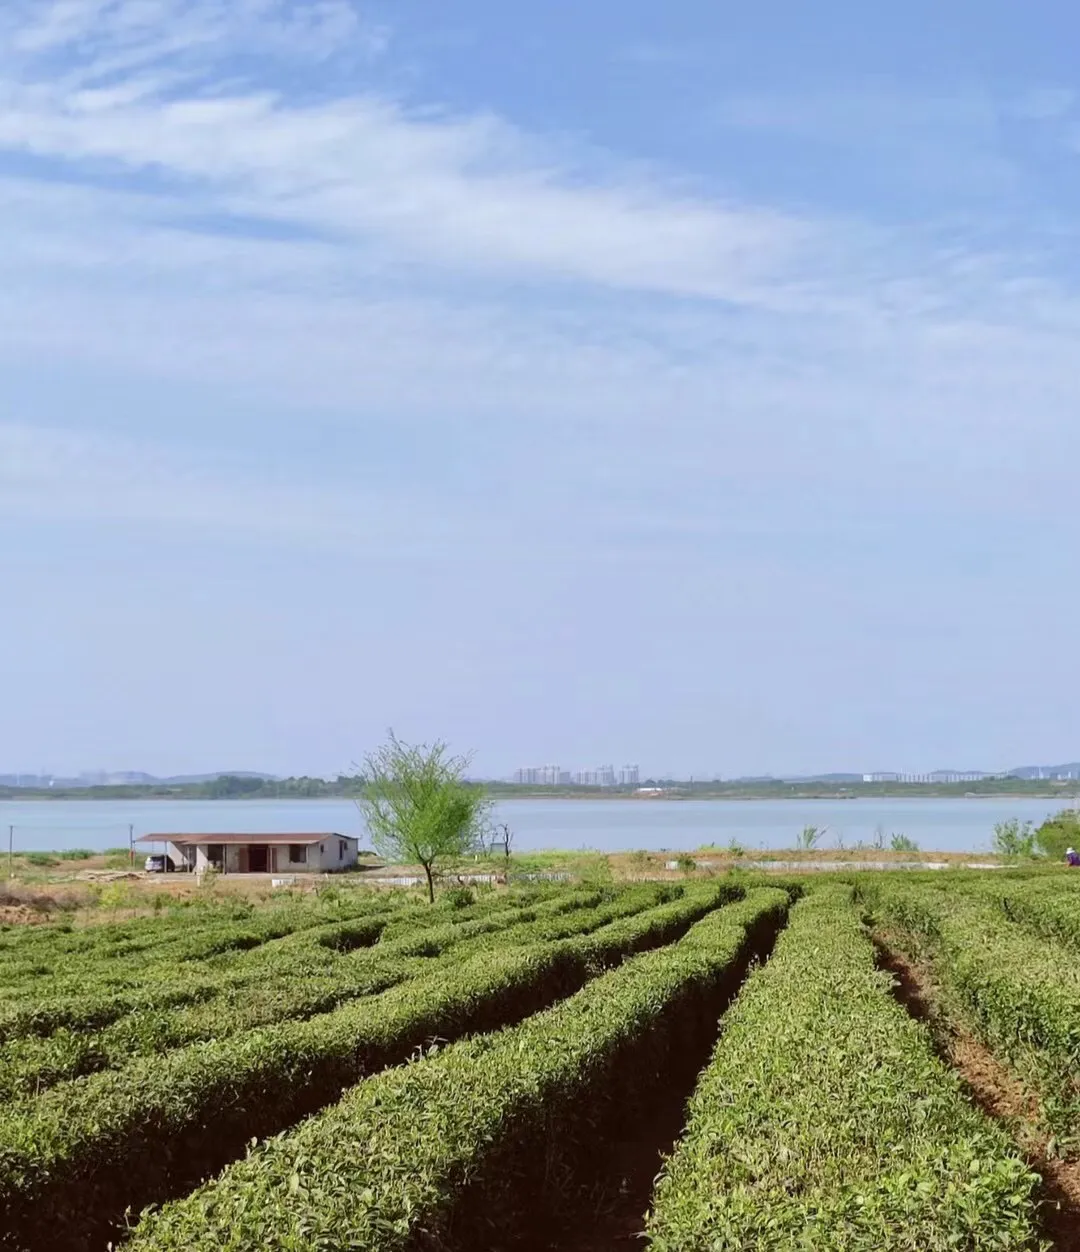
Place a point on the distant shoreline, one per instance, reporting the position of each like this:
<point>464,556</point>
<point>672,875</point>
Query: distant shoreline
<point>673,796</point>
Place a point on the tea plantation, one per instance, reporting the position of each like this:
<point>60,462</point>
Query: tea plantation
<point>699,1066</point>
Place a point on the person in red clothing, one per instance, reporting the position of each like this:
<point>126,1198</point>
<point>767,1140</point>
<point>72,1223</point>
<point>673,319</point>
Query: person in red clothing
<point>1072,857</point>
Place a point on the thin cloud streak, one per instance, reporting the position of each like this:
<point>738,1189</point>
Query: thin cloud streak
<point>467,193</point>
<point>781,347</point>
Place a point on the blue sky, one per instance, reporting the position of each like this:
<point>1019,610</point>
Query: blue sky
<point>689,384</point>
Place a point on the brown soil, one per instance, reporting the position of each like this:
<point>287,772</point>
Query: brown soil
<point>996,1090</point>
<point>632,1165</point>
<point>604,1207</point>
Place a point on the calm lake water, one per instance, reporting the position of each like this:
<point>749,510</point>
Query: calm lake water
<point>604,825</point>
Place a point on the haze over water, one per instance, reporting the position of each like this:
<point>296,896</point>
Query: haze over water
<point>939,825</point>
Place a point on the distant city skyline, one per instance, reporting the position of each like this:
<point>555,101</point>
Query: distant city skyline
<point>554,775</point>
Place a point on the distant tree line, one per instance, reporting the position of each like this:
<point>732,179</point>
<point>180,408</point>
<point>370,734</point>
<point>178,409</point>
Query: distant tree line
<point>242,787</point>
<point>233,787</point>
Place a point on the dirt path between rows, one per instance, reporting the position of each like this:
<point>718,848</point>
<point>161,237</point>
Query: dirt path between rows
<point>995,1089</point>
<point>603,1189</point>
<point>632,1162</point>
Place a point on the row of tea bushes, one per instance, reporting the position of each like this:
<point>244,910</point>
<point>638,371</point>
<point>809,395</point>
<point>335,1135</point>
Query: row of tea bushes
<point>99,1003</point>
<point>826,1121</point>
<point>304,978</point>
<point>440,1153</point>
<point>214,938</point>
<point>1045,906</point>
<point>1019,992</point>
<point>127,950</point>
<point>74,1158</point>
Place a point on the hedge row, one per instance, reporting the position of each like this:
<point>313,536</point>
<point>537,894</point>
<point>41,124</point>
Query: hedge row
<point>74,1158</point>
<point>1020,993</point>
<point>826,1121</point>
<point>297,955</point>
<point>214,937</point>
<point>31,1064</point>
<point>206,953</point>
<point>304,979</point>
<point>131,949</point>
<point>194,948</point>
<point>1047,907</point>
<point>449,1152</point>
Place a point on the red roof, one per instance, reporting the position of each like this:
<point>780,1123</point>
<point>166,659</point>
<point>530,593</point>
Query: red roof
<point>256,838</point>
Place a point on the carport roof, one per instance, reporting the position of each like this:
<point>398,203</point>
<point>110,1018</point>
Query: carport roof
<point>233,837</point>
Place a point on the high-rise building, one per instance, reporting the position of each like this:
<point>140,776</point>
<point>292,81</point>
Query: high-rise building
<point>602,776</point>
<point>556,776</point>
<point>538,776</point>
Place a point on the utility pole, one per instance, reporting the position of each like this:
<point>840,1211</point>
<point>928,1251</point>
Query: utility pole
<point>11,851</point>
<point>131,843</point>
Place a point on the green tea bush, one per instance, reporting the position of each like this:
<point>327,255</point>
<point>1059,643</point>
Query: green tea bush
<point>825,1121</point>
<point>300,979</point>
<point>1047,906</point>
<point>459,897</point>
<point>1021,994</point>
<point>445,1152</point>
<point>75,1157</point>
<point>182,964</point>
<point>306,971</point>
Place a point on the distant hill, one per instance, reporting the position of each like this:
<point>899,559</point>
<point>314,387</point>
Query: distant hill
<point>828,778</point>
<point>801,778</point>
<point>182,779</point>
<point>1071,770</point>
<point>127,778</point>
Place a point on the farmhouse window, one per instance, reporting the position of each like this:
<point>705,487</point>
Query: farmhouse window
<point>297,854</point>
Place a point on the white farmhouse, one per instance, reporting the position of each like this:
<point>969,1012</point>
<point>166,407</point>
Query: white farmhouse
<point>318,853</point>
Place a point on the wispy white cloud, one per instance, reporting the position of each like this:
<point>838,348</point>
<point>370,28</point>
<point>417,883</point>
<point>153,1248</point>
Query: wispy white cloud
<point>467,193</point>
<point>177,214</point>
<point>115,35</point>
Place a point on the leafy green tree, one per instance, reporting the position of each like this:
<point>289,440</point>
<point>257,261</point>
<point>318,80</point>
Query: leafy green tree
<point>902,843</point>
<point>1058,833</point>
<point>418,807</point>
<point>1015,839</point>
